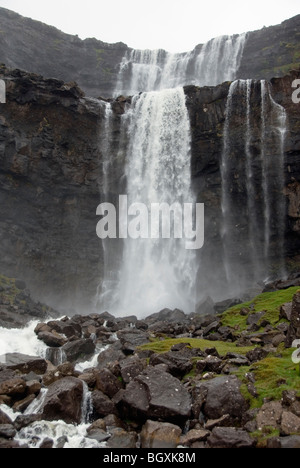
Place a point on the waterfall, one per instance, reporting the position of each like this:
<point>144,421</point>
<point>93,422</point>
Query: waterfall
<point>213,63</point>
<point>87,405</point>
<point>157,273</point>
<point>252,171</point>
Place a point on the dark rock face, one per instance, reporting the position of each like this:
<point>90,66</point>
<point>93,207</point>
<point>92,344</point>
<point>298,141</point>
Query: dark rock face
<point>230,437</point>
<point>94,65</point>
<point>63,401</point>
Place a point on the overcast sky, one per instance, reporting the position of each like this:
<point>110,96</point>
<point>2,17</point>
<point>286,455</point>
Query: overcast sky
<point>174,25</point>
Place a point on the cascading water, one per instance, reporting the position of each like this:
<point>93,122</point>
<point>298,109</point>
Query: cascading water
<point>157,273</point>
<point>253,204</point>
<point>215,62</point>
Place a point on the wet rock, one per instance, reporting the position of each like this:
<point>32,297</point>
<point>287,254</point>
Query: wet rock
<point>13,387</point>
<point>47,444</point>
<point>64,401</point>
<point>107,383</point>
<point>102,404</point>
<point>156,395</point>
<point>33,387</point>
<point>7,431</point>
<point>67,328</point>
<point>167,315</point>
<point>97,431</point>
<point>25,364</point>
<point>112,421</point>
<point>160,435</point>
<point>120,439</point>
<point>25,420</point>
<point>4,419</point>
<point>131,368</point>
<point>79,350</point>
<point>114,353</point>
<point>52,339</point>
<point>21,406</point>
<point>230,437</point>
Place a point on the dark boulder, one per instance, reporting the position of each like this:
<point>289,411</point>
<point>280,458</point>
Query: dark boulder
<point>108,383</point>
<point>157,435</point>
<point>156,394</point>
<point>131,338</point>
<point>294,328</point>
<point>230,437</point>
<point>25,364</point>
<point>79,350</point>
<point>219,397</point>
<point>64,401</point>
<point>177,364</point>
<point>102,405</point>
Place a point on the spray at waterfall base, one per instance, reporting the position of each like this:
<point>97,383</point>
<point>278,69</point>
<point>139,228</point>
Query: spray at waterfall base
<point>136,221</point>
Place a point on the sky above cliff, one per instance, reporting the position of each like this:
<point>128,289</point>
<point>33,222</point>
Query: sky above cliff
<point>174,25</point>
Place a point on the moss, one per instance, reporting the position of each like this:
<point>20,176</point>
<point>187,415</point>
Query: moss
<point>273,375</point>
<point>262,437</point>
<point>165,345</point>
<point>269,302</point>
<point>10,290</point>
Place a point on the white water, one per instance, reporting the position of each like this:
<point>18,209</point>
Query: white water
<point>215,62</point>
<point>265,202</point>
<point>22,341</point>
<point>157,273</point>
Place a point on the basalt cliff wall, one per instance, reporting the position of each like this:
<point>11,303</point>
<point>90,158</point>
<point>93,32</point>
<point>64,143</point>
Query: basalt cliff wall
<point>52,179</point>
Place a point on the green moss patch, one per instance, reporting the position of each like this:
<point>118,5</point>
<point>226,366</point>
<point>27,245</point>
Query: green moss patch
<point>163,346</point>
<point>269,302</point>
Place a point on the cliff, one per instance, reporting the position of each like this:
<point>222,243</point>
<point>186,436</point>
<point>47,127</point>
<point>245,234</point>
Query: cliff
<point>94,65</point>
<point>52,173</point>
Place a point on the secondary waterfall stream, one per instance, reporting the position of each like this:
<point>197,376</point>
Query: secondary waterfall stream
<point>253,203</point>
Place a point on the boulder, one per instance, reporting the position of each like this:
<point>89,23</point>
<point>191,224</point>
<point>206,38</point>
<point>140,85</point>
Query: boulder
<point>4,419</point>
<point>160,435</point>
<point>64,401</point>
<point>13,387</point>
<point>230,437</point>
<point>286,311</point>
<point>290,424</point>
<point>205,307</point>
<point>131,338</point>
<point>218,397</point>
<point>167,315</point>
<point>254,319</point>
<point>52,339</point>
<point>131,368</point>
<point>269,415</point>
<point>121,439</point>
<point>107,383</point>
<point>177,364</point>
<point>21,406</point>
<point>294,328</point>
<point>25,364</point>
<point>25,420</point>
<point>257,354</point>
<point>7,431</point>
<point>102,404</point>
<point>195,435</point>
<point>291,442</point>
<point>110,355</point>
<point>156,394</point>
<point>79,350</point>
<point>97,431</point>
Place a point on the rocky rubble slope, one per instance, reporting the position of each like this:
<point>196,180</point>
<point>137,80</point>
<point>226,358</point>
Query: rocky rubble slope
<point>199,381</point>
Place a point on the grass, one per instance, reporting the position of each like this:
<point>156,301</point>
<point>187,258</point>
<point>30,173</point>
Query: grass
<point>269,302</point>
<point>10,293</point>
<point>163,346</point>
<point>273,375</point>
